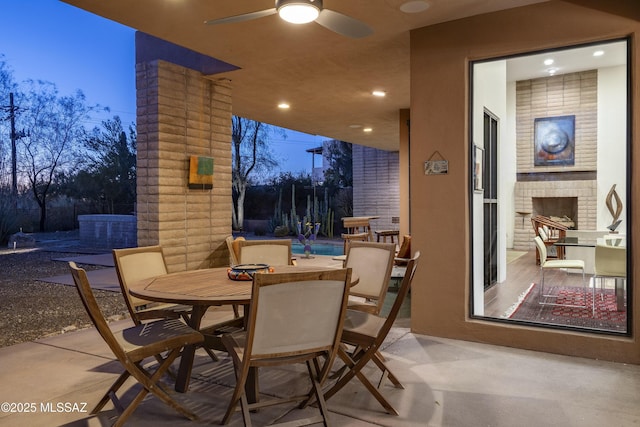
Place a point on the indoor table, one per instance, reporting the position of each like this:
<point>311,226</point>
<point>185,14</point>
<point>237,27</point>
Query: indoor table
<point>591,243</point>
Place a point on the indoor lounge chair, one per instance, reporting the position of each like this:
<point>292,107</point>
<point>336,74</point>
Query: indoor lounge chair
<point>610,263</point>
<point>556,264</point>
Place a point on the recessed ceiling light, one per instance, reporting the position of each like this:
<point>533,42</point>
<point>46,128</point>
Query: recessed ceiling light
<point>598,53</point>
<point>548,61</point>
<point>283,105</point>
<point>415,6</point>
<point>379,93</point>
<point>367,130</point>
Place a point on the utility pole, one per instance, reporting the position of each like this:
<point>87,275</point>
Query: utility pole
<point>12,109</point>
<point>14,174</point>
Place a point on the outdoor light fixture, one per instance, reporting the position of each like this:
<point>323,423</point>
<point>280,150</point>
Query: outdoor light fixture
<point>299,11</point>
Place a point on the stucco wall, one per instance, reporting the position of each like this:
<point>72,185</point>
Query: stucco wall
<point>180,113</point>
<point>440,57</point>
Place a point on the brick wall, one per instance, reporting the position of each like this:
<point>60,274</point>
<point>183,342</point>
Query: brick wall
<point>568,94</point>
<point>181,113</point>
<point>376,185</point>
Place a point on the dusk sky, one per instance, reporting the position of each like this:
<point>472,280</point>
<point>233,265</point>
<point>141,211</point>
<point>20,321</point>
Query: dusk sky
<point>53,41</point>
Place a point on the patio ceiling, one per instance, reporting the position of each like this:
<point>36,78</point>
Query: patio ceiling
<point>326,78</point>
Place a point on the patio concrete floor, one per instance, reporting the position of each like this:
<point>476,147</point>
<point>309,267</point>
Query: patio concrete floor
<point>447,383</point>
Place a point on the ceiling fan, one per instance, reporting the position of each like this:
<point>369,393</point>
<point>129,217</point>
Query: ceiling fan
<point>302,12</point>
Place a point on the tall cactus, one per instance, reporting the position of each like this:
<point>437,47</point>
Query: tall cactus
<point>317,212</point>
<point>294,215</point>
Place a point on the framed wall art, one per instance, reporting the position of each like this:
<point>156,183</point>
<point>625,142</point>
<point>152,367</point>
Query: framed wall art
<point>554,141</point>
<point>478,169</point>
<point>436,165</point>
<point>200,173</point>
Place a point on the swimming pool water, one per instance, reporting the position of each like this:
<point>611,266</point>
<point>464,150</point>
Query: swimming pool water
<point>318,248</point>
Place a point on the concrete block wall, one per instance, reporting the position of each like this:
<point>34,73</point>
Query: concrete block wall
<point>181,113</point>
<point>567,94</point>
<point>584,191</point>
<point>107,231</point>
<point>376,185</point>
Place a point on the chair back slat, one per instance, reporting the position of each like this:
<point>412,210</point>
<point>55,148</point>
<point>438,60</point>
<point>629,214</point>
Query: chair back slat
<point>270,252</point>
<point>93,309</point>
<point>312,311</point>
<point>372,264</point>
<point>542,249</point>
<point>135,264</point>
<point>296,313</point>
<point>611,261</point>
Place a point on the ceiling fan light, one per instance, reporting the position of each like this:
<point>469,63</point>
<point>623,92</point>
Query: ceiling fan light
<point>299,12</point>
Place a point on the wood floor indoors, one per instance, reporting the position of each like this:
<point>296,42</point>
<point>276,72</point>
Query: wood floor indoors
<point>522,272</point>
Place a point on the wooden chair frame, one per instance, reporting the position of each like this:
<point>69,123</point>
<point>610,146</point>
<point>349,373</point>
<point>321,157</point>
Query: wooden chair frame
<point>233,255</point>
<point>366,332</point>
<point>309,333</point>
<point>131,346</point>
<point>139,309</point>
<point>556,231</point>
<point>404,253</point>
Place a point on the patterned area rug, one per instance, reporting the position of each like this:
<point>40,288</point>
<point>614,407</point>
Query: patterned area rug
<point>606,316</point>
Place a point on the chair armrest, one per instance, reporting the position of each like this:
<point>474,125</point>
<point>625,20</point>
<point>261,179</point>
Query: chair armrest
<point>401,261</point>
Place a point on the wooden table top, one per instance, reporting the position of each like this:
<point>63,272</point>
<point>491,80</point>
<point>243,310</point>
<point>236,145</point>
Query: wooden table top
<point>210,286</point>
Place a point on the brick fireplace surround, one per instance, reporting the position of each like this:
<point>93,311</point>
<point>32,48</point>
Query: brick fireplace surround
<point>568,94</point>
<point>585,191</point>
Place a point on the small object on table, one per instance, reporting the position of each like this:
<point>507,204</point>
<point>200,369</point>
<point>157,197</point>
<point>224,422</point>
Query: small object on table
<point>245,272</point>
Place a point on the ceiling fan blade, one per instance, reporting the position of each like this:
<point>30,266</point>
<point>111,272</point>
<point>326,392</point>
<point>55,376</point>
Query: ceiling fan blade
<point>343,24</point>
<point>243,17</point>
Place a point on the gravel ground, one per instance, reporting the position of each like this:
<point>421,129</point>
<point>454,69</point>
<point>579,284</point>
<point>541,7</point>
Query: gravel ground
<point>32,309</point>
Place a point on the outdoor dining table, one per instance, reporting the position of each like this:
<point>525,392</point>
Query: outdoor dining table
<point>202,289</point>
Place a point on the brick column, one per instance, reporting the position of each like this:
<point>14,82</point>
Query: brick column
<point>181,113</point>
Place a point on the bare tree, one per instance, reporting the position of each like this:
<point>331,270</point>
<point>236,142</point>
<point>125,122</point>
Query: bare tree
<point>55,127</point>
<point>250,156</point>
<point>110,173</point>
